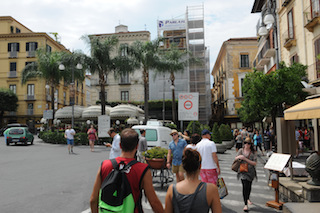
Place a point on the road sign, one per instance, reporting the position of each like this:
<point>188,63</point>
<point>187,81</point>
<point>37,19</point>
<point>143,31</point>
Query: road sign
<point>104,126</point>
<point>48,114</point>
<point>188,107</point>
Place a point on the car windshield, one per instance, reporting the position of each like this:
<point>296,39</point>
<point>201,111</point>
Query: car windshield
<point>16,131</point>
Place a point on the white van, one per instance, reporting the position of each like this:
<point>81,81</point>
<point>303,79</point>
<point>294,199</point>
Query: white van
<point>156,135</point>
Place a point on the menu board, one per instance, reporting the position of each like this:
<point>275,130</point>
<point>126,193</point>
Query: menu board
<point>277,162</point>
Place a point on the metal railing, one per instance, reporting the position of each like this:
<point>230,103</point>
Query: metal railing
<point>12,74</point>
<point>13,54</point>
<point>31,54</point>
<point>311,12</point>
<point>30,97</point>
<point>29,112</point>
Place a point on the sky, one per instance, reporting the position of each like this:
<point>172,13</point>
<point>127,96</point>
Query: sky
<point>72,19</point>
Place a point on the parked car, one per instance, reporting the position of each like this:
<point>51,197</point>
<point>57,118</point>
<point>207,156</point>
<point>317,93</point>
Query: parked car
<point>156,135</point>
<point>12,125</point>
<point>18,135</point>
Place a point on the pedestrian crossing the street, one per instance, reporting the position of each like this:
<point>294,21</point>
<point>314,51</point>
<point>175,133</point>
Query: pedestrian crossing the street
<point>233,202</point>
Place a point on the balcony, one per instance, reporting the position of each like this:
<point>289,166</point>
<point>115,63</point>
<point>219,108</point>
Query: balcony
<point>48,97</point>
<point>31,54</point>
<point>263,57</point>
<point>29,112</point>
<point>311,17</point>
<point>289,39</point>
<point>30,97</point>
<point>13,54</point>
<point>12,113</point>
<point>12,74</point>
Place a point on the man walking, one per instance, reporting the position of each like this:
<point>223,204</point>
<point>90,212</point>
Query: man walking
<point>115,146</point>
<point>176,148</point>
<point>142,147</point>
<point>69,135</point>
<point>210,168</point>
<point>138,175</point>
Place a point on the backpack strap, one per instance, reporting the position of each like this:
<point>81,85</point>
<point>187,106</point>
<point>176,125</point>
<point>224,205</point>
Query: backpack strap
<point>138,203</point>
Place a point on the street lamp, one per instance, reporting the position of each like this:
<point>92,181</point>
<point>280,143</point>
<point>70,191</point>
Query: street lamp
<point>79,67</point>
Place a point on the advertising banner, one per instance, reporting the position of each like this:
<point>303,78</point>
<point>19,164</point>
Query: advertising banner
<point>173,24</point>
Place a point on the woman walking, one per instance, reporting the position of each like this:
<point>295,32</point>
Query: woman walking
<point>248,159</point>
<point>192,195</point>
<point>92,136</point>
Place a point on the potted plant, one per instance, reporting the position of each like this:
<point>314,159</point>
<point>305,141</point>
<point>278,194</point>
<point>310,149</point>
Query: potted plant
<point>226,135</point>
<point>221,148</point>
<point>156,157</point>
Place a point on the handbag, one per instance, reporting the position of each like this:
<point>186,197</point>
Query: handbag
<point>222,188</point>
<point>244,166</point>
<point>235,165</point>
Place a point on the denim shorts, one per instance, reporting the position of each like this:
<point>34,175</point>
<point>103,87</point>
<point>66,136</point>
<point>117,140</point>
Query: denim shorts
<point>70,141</point>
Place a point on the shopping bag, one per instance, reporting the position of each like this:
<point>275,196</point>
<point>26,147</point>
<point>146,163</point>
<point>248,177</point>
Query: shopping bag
<point>222,188</point>
<point>235,165</point>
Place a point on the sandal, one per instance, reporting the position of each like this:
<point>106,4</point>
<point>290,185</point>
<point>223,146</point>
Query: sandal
<point>245,208</point>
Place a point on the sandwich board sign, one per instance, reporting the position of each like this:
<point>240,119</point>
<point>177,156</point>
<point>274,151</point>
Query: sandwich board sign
<point>104,126</point>
<point>188,106</point>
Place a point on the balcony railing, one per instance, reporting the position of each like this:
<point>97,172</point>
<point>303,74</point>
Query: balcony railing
<point>12,113</point>
<point>13,54</point>
<point>29,112</point>
<point>48,97</point>
<point>288,38</point>
<point>12,74</point>
<point>30,97</point>
<point>31,54</point>
<point>312,16</point>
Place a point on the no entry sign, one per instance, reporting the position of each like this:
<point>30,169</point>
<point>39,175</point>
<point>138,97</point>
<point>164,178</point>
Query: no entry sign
<point>188,107</point>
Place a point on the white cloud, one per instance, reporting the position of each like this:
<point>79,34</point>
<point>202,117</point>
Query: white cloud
<point>74,18</point>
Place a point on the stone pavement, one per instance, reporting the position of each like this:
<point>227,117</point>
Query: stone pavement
<point>260,194</point>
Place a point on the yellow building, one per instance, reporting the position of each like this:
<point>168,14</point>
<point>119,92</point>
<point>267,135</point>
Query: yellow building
<point>18,46</point>
<point>233,63</point>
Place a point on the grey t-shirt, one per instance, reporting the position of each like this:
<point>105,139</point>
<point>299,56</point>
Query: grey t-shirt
<point>142,144</point>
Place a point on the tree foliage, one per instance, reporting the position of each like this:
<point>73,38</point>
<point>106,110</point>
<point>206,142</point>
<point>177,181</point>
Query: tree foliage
<point>8,102</point>
<point>267,94</point>
<point>216,137</point>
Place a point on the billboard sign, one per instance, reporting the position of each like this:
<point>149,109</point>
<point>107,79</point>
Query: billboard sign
<point>104,126</point>
<point>188,106</point>
<point>173,24</point>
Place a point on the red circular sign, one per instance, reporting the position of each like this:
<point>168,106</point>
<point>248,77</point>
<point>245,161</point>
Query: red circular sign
<point>188,105</point>
<point>181,96</point>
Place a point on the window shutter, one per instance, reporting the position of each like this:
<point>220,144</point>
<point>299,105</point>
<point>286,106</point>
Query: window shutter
<point>35,45</point>
<point>27,46</point>
<point>9,47</point>
<point>18,47</point>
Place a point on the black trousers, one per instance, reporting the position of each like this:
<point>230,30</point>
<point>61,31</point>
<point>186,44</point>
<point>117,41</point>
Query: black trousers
<point>246,190</point>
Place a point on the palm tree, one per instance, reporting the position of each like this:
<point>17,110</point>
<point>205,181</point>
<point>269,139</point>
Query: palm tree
<point>174,60</point>
<point>47,68</point>
<point>144,55</point>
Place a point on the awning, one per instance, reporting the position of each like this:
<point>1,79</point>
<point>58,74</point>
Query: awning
<point>66,112</point>
<point>307,109</point>
<point>94,111</point>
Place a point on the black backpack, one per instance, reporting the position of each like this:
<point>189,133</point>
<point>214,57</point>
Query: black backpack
<point>115,193</point>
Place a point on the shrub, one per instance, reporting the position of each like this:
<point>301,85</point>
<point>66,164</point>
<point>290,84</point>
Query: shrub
<point>216,134</point>
<point>81,139</point>
<point>225,132</point>
<point>171,126</point>
<point>156,152</point>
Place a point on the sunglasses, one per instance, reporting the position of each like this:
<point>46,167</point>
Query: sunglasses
<point>246,143</point>
<point>174,134</point>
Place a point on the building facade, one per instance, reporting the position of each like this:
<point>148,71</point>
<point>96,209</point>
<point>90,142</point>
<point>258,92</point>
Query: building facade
<point>18,46</point>
<point>234,61</point>
<point>188,34</point>
<point>128,87</point>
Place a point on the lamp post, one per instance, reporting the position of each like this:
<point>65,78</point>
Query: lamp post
<point>79,67</point>
<point>270,21</point>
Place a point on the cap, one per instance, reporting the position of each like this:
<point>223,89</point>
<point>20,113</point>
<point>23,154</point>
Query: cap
<point>205,131</point>
<point>174,131</point>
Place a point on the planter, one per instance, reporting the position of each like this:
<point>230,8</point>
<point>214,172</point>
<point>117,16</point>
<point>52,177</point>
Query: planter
<point>156,163</point>
<point>229,144</point>
<point>221,148</point>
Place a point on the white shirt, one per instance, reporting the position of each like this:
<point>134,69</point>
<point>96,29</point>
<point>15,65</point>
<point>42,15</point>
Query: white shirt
<point>115,149</point>
<point>206,147</point>
<point>191,146</point>
<point>69,135</point>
